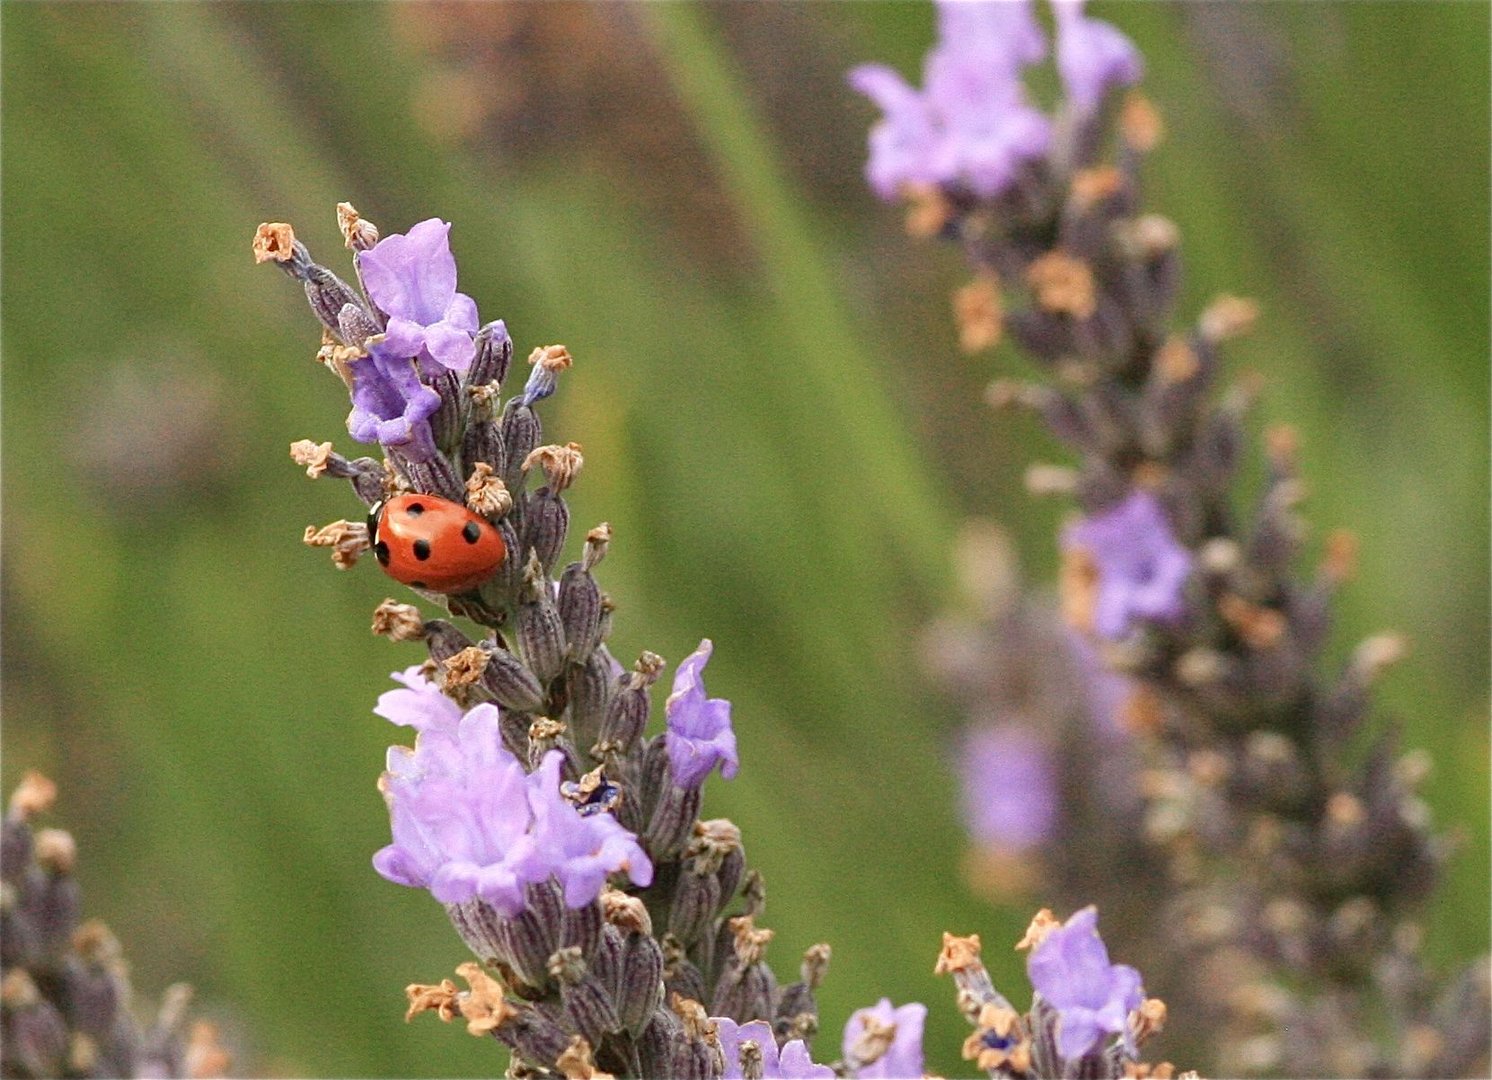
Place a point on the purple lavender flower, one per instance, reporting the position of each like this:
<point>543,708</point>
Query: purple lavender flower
<point>1093,57</point>
<point>1141,567</point>
<point>390,405</point>
<point>972,125</point>
<point>793,1063</point>
<point>699,732</point>
<point>1010,787</point>
<point>421,705</point>
<point>468,823</point>
<point>1070,968</point>
<point>412,278</point>
<point>903,1058</point>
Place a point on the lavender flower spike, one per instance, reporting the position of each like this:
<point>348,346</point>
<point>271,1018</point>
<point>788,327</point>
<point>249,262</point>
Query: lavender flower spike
<point>792,1063</point>
<point>699,732</point>
<point>1093,57</point>
<point>972,125</point>
<point>468,823</point>
<point>1142,569</point>
<point>895,1032</point>
<point>1070,968</point>
<point>412,278</point>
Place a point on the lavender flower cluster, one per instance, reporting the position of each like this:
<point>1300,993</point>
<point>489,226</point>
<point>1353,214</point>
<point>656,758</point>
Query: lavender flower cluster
<point>66,1005</point>
<point>616,933</point>
<point>1297,850</point>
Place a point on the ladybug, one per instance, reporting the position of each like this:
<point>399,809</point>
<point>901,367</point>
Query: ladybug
<point>435,544</point>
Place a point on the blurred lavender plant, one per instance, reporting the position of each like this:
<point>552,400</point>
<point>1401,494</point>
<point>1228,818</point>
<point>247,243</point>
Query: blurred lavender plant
<point>66,1006</point>
<point>1297,850</point>
<point>616,932</point>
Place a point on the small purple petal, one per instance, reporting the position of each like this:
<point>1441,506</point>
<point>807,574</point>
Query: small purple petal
<point>699,735</point>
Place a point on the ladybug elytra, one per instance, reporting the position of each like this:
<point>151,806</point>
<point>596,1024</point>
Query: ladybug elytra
<point>435,544</point>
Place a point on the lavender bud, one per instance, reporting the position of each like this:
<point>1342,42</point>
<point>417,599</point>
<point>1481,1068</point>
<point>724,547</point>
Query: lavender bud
<point>672,822</point>
<point>444,640</point>
<point>696,898</point>
<point>510,683</point>
<point>744,992</point>
<point>535,1037</point>
<point>355,326</point>
<point>328,295</point>
<point>606,961</point>
<point>36,1036</point>
<point>541,637</point>
<point>546,523</point>
<point>509,579</point>
<point>433,476</point>
<point>93,994</point>
<point>657,1043</point>
<point>579,604</point>
<point>680,976</point>
<point>588,688</point>
<point>16,846</point>
<point>494,352</point>
<point>640,988</point>
<point>581,927</point>
<point>448,422</point>
<point>627,712</point>
<point>484,442</point>
<point>586,1002</point>
<point>521,432</point>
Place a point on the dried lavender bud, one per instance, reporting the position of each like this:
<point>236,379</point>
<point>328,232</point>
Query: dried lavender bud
<point>355,326</point>
<point>509,680</point>
<point>36,1039</point>
<point>547,361</point>
<point>328,295</point>
<point>680,976</point>
<point>586,1001</point>
<point>494,352</point>
<point>546,523</point>
<point>521,432</point>
<point>482,442</point>
<point>658,1042</point>
<point>627,712</point>
<point>541,636</point>
<point>508,582</point>
<point>696,898</point>
<point>448,423</point>
<point>746,987</point>
<point>640,987</point>
<point>579,604</point>
<point>588,688</point>
<point>444,640</point>
<point>581,927</point>
<point>672,822</point>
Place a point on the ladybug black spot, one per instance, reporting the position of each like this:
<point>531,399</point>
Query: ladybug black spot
<point>417,585</point>
<point>381,551</point>
<point>422,550</point>
<point>415,509</point>
<point>472,532</point>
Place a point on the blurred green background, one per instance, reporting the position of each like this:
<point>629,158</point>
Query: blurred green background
<point>775,418</point>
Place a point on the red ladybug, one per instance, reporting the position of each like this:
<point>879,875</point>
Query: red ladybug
<point>435,544</point>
